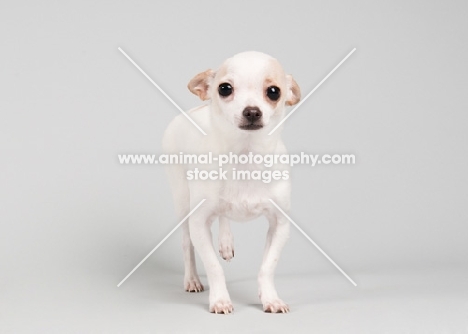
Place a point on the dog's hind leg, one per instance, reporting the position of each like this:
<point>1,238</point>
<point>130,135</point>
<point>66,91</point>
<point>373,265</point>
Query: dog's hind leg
<point>225,239</point>
<point>191,280</point>
<point>181,195</point>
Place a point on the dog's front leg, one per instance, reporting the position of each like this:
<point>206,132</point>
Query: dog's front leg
<point>278,233</point>
<point>200,233</point>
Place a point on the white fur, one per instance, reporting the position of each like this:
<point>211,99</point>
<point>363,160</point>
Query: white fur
<point>231,200</point>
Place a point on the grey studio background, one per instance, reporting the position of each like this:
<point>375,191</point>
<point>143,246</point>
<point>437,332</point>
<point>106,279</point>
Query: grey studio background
<point>74,222</point>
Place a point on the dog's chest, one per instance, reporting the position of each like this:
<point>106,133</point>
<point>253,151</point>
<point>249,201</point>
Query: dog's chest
<point>243,200</point>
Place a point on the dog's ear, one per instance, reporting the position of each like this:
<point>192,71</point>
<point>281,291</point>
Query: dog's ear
<point>294,92</point>
<point>200,83</point>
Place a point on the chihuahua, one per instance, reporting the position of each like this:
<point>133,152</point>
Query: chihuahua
<point>247,97</point>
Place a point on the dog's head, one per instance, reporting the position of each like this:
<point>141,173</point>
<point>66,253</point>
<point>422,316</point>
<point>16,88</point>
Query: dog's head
<point>248,90</point>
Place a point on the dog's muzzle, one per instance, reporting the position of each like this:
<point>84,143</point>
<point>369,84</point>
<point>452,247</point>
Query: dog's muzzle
<point>252,119</point>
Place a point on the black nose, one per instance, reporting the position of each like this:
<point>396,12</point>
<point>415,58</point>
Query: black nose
<point>252,114</point>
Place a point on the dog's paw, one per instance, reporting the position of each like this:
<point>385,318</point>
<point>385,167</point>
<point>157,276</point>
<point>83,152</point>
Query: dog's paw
<point>193,285</point>
<point>226,251</point>
<point>275,306</point>
<point>221,307</point>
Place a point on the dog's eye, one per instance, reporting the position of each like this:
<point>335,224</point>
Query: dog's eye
<point>273,93</point>
<point>225,89</point>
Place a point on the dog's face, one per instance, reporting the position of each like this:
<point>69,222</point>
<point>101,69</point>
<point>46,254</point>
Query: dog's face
<point>248,89</point>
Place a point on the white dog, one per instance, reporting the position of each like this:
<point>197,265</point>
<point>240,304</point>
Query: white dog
<point>248,95</point>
